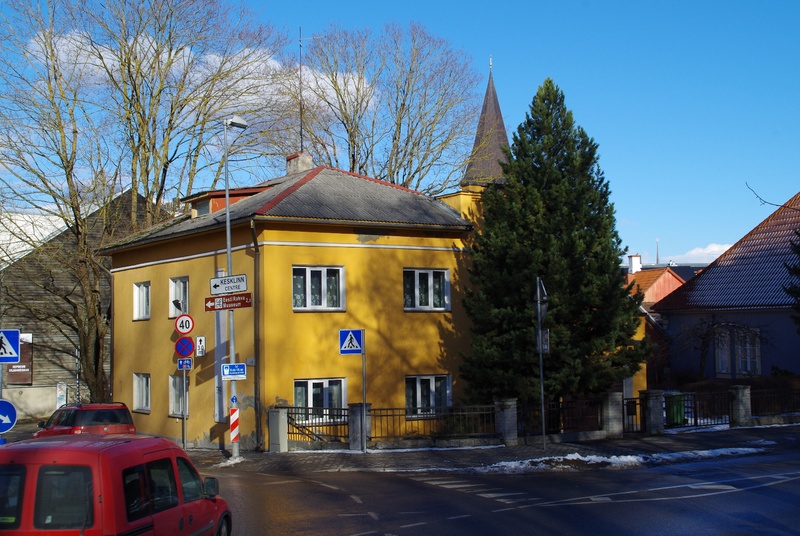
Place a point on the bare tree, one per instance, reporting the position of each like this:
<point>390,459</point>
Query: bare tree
<point>173,71</point>
<point>399,106</point>
<point>99,98</point>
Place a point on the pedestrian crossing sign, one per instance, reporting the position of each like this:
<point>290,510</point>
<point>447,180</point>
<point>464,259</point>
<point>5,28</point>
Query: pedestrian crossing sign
<point>9,346</point>
<point>351,341</point>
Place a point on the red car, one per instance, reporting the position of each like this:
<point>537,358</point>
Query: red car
<point>111,418</point>
<point>96,485</point>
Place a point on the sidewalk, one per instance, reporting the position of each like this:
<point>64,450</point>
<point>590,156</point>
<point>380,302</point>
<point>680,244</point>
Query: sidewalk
<point>628,452</point>
<point>687,444</point>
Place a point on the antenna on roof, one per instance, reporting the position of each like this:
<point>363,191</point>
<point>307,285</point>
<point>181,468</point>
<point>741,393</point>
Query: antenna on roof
<point>656,250</point>
<point>490,62</point>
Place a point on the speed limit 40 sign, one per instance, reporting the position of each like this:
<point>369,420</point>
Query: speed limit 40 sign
<point>184,324</point>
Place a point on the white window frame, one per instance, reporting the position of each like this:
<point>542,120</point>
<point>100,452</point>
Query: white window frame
<point>308,274</point>
<point>178,291</point>
<point>176,395</point>
<point>141,300</point>
<point>748,351</point>
<point>722,351</point>
<point>328,390</point>
<point>424,298</point>
<point>427,390</point>
<point>141,392</point>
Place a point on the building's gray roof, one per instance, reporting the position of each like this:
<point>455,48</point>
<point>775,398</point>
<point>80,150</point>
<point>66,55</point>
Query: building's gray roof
<point>319,195</point>
<point>752,274</point>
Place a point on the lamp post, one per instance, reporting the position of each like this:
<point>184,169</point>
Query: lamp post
<point>541,312</point>
<point>235,122</point>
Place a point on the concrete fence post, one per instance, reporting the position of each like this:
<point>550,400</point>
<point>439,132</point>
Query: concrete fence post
<point>278,430</point>
<point>741,408</point>
<point>652,411</point>
<point>505,420</point>
<point>612,415</point>
<point>354,424</point>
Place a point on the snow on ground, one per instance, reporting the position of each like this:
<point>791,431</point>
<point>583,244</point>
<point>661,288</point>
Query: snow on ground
<point>576,462</point>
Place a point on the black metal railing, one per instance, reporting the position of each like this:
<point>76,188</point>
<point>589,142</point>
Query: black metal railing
<point>392,424</point>
<point>563,416</point>
<point>318,424</point>
<point>774,402</point>
<point>697,409</point>
<point>632,416</point>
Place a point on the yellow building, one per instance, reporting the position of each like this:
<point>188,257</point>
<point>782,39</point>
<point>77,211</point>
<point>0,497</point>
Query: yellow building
<point>318,251</point>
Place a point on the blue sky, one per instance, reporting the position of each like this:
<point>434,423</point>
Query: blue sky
<point>689,101</point>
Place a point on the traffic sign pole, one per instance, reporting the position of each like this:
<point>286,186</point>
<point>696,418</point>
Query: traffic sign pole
<point>363,395</point>
<point>183,411</point>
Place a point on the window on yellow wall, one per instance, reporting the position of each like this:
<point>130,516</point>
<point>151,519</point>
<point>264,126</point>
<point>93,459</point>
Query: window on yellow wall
<point>322,398</point>
<point>178,296</point>
<point>318,288</point>
<point>177,401</point>
<point>426,290</point>
<point>141,392</point>
<point>141,300</point>
<point>426,394</point>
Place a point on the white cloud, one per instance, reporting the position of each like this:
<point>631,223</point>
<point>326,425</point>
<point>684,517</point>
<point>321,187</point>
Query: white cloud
<point>704,255</point>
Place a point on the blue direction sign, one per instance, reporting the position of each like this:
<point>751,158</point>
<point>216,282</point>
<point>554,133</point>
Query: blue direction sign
<point>234,371</point>
<point>351,341</point>
<point>184,346</point>
<point>9,346</point>
<point>185,363</point>
<point>8,416</point>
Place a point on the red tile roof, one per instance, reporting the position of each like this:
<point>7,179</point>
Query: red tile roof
<point>750,275</point>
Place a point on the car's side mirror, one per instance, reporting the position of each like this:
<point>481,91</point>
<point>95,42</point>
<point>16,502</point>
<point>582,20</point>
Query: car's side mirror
<point>211,486</point>
<point>41,424</point>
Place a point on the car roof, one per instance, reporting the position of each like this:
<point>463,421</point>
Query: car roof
<point>80,446</point>
<point>95,405</point>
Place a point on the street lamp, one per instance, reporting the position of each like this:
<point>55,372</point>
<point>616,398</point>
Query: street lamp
<point>234,122</point>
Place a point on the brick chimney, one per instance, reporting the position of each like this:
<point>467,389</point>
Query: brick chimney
<point>297,162</point>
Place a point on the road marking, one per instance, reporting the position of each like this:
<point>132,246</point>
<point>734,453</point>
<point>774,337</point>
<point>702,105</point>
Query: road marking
<point>701,489</point>
<point>356,498</point>
<point>499,495</point>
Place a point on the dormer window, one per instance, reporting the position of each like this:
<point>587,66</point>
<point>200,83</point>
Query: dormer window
<point>202,208</point>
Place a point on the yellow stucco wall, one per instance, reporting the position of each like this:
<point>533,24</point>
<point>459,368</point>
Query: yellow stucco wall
<point>640,378</point>
<point>293,345</point>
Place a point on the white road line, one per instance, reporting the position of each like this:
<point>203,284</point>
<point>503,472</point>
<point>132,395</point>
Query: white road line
<point>499,495</point>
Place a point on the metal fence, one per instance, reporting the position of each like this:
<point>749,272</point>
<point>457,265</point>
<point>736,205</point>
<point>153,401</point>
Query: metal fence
<point>394,424</point>
<point>697,409</point>
<point>318,424</point>
<point>632,417</point>
<point>774,402</point>
<point>575,415</point>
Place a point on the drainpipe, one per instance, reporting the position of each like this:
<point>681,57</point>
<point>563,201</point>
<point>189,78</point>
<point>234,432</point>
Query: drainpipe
<point>257,337</point>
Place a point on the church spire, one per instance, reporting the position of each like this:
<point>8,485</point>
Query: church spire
<point>490,138</point>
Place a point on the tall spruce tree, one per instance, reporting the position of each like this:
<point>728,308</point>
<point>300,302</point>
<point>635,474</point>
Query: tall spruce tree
<point>552,218</point>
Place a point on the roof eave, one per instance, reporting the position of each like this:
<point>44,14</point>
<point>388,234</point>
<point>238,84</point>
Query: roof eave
<point>359,223</point>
